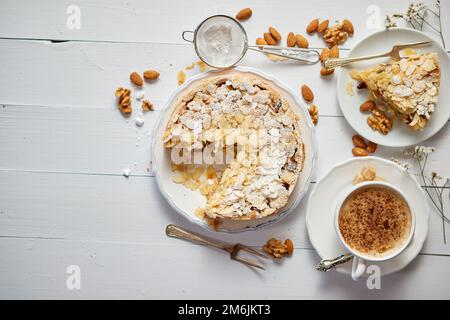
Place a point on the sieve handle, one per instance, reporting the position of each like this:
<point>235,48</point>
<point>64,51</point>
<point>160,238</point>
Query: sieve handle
<point>308,56</point>
<point>183,35</point>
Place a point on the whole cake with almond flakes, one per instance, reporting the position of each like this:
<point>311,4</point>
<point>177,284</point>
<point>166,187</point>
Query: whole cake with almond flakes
<point>245,122</point>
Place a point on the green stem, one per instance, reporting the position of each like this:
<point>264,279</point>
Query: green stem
<point>438,208</point>
<point>441,209</point>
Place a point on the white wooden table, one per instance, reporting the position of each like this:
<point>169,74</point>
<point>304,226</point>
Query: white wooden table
<point>64,201</point>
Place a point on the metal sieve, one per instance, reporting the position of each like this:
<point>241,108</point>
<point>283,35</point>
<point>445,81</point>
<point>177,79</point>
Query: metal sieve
<point>307,56</point>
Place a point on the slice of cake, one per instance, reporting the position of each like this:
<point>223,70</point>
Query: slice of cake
<point>410,86</point>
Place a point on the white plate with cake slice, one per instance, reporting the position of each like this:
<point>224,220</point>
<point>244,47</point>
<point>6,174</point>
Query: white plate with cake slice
<point>412,114</point>
<point>332,186</point>
<point>185,187</point>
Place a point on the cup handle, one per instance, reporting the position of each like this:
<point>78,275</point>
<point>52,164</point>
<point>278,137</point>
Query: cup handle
<point>358,268</point>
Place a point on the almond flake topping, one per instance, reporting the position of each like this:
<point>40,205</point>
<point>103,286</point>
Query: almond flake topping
<point>247,115</point>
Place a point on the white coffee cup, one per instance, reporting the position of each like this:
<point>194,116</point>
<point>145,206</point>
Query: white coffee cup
<point>360,259</point>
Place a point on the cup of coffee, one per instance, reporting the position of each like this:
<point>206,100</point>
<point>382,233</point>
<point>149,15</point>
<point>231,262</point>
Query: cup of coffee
<point>375,222</point>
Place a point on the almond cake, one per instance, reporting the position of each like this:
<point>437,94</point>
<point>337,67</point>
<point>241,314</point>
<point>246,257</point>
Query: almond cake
<point>245,115</point>
<point>410,86</point>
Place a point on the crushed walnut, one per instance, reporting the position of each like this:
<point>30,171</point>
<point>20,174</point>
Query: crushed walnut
<point>147,106</point>
<point>314,113</point>
<point>124,100</point>
<point>379,121</point>
<point>278,249</point>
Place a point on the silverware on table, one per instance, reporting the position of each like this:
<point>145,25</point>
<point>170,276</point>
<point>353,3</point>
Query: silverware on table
<point>233,250</point>
<point>327,265</point>
<point>308,56</point>
<point>394,53</point>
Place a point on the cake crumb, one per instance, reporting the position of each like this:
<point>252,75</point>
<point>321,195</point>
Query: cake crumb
<point>140,95</point>
<point>202,66</point>
<point>126,172</point>
<point>367,173</point>
<point>139,121</point>
<point>181,77</point>
<point>191,66</point>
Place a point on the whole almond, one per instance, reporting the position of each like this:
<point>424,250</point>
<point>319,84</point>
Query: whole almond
<point>359,141</point>
<point>367,106</point>
<point>291,39</point>
<point>275,34</point>
<point>347,26</point>
<point>334,52</point>
<point>151,75</point>
<point>261,42</point>
<point>136,79</point>
<point>359,152</point>
<point>301,41</point>
<point>244,14</point>
<point>326,72</point>
<point>322,26</point>
<point>325,54</point>
<point>289,246</point>
<point>269,39</point>
<point>312,26</point>
<point>371,147</point>
<point>307,93</point>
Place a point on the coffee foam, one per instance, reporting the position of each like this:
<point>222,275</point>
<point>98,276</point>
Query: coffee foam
<point>375,221</point>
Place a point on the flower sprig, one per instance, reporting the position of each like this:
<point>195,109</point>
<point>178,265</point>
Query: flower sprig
<point>416,17</point>
<point>433,184</point>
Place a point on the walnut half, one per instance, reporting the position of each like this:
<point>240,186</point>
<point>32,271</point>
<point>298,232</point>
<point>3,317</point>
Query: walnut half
<point>124,100</point>
<point>335,35</point>
<point>379,121</point>
<point>278,249</point>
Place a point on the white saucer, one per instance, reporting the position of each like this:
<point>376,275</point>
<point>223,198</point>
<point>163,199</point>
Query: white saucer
<point>400,135</point>
<point>324,197</point>
<point>185,201</point>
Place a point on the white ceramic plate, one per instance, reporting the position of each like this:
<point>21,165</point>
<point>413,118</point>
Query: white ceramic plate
<point>185,201</point>
<point>400,135</point>
<point>320,210</point>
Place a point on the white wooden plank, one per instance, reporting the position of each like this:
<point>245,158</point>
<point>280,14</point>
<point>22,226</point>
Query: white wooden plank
<point>162,21</point>
<point>86,74</point>
<point>87,140</point>
<point>103,207</point>
<point>100,140</point>
<point>177,271</point>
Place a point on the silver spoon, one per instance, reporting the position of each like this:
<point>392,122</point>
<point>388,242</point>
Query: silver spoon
<point>327,265</point>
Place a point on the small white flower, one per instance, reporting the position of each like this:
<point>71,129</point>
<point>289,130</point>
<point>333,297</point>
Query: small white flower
<point>407,165</point>
<point>428,150</point>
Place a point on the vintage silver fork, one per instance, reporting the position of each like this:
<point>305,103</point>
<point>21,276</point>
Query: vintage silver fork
<point>394,53</point>
<point>233,250</point>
